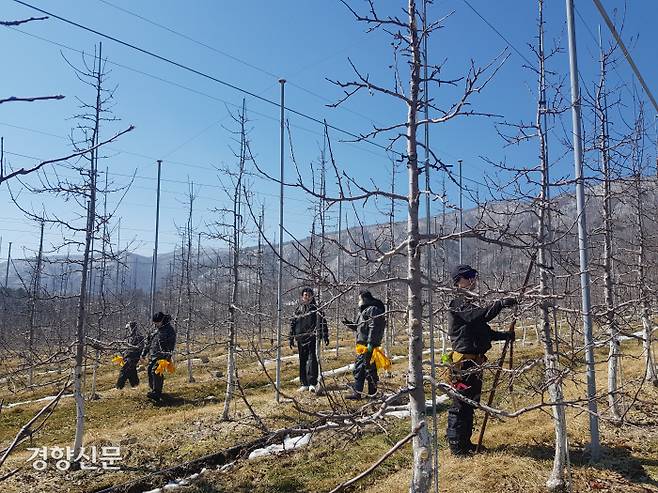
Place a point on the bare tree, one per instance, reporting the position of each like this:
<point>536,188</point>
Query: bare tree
<point>86,143</point>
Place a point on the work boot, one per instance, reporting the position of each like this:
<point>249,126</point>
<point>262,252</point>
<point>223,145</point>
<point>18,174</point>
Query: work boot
<point>459,448</point>
<point>153,396</point>
<point>353,397</point>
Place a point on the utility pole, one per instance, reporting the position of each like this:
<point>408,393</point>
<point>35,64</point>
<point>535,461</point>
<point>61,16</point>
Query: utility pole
<point>116,280</point>
<point>461,212</point>
<point>428,226</point>
<point>7,270</point>
<point>339,269</point>
<point>154,266</point>
<point>582,234</point>
<point>279,286</point>
<point>36,287</point>
<point>655,130</point>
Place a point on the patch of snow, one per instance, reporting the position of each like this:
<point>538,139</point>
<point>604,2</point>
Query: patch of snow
<point>43,399</point>
<point>399,414</point>
<point>332,373</point>
<point>288,444</point>
<point>639,333</point>
<point>442,399</point>
<point>272,362</point>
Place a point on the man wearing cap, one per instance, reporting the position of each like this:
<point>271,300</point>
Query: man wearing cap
<point>160,345</point>
<point>307,321</point>
<point>471,338</point>
<point>131,357</point>
<point>369,329</point>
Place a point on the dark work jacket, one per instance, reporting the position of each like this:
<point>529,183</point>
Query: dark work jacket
<point>135,346</point>
<point>370,323</point>
<point>468,328</point>
<point>304,321</point>
<point>161,343</point>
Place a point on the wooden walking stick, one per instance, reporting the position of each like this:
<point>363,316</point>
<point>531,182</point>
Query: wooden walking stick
<point>501,360</point>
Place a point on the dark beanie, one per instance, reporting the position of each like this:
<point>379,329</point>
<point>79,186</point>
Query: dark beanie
<point>364,293</point>
<point>158,317</point>
<point>462,270</point>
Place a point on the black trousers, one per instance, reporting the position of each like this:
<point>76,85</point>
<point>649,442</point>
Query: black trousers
<point>308,362</point>
<point>365,371</point>
<point>155,381</point>
<point>460,414</point>
<point>128,372</point>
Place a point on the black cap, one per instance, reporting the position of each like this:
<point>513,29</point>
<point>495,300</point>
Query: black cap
<point>365,294</point>
<point>158,317</point>
<point>308,290</point>
<point>462,270</point>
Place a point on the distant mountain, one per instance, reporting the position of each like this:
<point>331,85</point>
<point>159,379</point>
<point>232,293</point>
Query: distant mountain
<point>500,220</point>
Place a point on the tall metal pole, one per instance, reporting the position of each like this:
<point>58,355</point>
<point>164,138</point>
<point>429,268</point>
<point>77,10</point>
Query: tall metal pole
<point>655,129</point>
<point>279,285</point>
<point>154,265</point>
<point>428,226</point>
<point>582,234</point>
<point>7,270</point>
<point>339,271</point>
<point>461,212</point>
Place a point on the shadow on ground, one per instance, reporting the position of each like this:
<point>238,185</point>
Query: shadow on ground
<point>614,459</point>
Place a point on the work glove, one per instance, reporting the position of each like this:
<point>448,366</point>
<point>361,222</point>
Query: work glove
<point>291,342</point>
<point>509,302</point>
<point>326,341</point>
<point>511,336</point>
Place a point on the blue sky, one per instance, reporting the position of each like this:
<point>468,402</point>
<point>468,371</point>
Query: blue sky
<point>183,119</point>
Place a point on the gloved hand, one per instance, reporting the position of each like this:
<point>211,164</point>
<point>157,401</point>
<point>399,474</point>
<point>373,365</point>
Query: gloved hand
<point>511,336</point>
<point>348,323</point>
<point>291,342</point>
<point>326,341</point>
<point>370,348</point>
<point>509,302</point>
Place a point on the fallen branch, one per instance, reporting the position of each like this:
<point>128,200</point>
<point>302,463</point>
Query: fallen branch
<point>395,447</point>
<point>26,431</point>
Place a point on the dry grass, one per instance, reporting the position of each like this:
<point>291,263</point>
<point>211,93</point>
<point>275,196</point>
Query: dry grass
<point>519,457</point>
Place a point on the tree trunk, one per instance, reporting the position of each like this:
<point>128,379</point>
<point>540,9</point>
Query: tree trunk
<point>422,464</point>
<point>610,322</point>
<point>556,480</point>
<point>647,324</point>
<point>235,269</point>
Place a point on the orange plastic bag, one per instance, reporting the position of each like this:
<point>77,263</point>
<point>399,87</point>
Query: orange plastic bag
<point>163,365</point>
<point>361,349</point>
<point>382,362</point>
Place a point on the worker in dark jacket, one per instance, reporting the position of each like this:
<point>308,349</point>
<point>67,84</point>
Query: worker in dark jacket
<point>135,343</point>
<point>159,345</point>
<point>369,328</point>
<point>471,338</point>
<point>307,321</point>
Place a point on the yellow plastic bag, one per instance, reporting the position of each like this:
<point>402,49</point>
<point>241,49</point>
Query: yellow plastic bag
<point>118,360</point>
<point>163,365</point>
<point>382,362</point>
<point>361,349</point>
